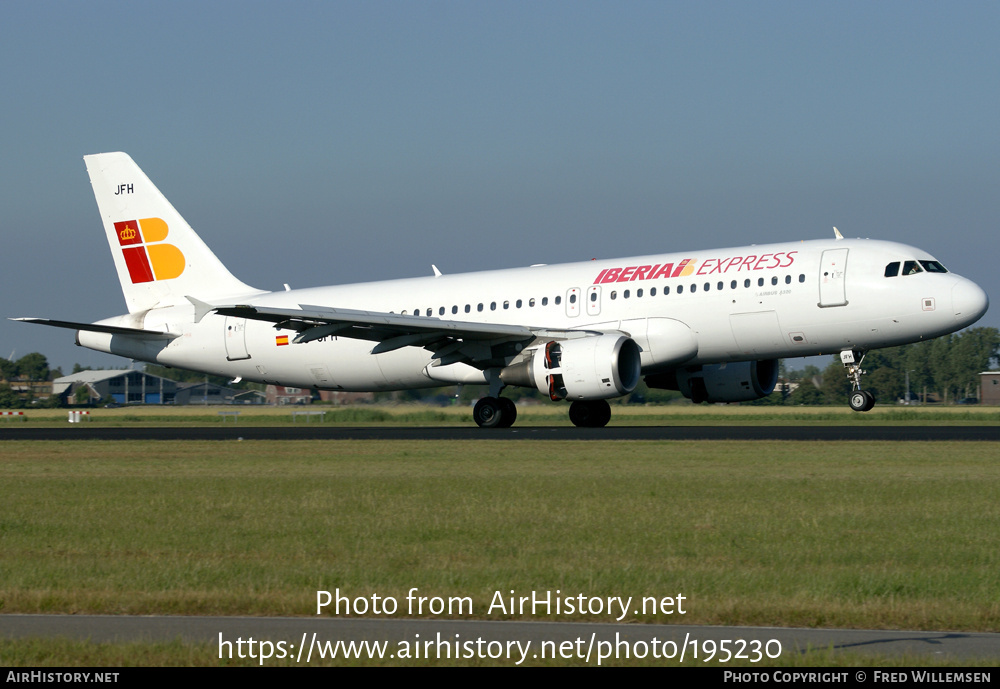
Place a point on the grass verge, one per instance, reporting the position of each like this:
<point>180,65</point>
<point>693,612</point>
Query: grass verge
<point>870,535</point>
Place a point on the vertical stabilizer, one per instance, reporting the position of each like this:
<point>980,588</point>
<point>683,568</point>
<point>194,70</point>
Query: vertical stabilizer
<point>159,258</point>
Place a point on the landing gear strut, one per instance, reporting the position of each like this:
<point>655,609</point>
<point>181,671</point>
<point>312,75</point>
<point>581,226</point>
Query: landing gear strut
<point>860,400</point>
<point>590,413</point>
<point>494,412</point>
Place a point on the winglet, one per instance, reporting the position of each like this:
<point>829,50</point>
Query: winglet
<point>836,233</point>
<point>437,273</point>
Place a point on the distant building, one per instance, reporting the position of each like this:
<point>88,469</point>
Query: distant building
<point>124,387</point>
<point>249,397</point>
<point>989,387</point>
<point>211,394</point>
<point>279,394</point>
<point>204,393</point>
<point>341,397</point>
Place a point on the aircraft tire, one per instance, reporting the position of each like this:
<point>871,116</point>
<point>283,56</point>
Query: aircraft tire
<point>488,413</point>
<point>871,401</point>
<point>590,413</point>
<point>508,412</point>
<point>862,400</point>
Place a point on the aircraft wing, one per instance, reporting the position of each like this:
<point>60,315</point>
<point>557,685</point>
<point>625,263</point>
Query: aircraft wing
<point>480,344</point>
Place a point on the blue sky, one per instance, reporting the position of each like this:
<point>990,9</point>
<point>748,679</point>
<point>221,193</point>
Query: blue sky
<point>329,142</point>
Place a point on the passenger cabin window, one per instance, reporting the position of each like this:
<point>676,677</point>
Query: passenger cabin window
<point>892,270</point>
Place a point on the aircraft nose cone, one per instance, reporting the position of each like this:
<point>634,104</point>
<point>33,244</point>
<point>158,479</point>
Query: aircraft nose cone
<point>969,300</point>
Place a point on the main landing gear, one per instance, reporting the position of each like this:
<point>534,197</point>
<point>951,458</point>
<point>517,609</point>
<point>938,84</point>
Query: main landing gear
<point>860,400</point>
<point>494,412</point>
<point>500,412</point>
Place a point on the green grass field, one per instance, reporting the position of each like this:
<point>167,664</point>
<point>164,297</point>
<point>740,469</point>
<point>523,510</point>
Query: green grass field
<point>865,535</point>
<point>555,414</point>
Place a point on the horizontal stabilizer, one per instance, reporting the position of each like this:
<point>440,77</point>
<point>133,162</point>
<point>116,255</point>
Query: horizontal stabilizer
<point>94,328</point>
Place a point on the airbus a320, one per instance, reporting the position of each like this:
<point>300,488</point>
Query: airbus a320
<point>710,323</point>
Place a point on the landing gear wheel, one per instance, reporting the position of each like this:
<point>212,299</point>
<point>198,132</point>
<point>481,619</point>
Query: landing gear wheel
<point>590,413</point>
<point>508,412</point>
<point>862,400</point>
<point>487,413</point>
<point>871,401</point>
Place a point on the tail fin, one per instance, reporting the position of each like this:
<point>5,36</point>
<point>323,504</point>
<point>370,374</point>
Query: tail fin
<point>160,259</point>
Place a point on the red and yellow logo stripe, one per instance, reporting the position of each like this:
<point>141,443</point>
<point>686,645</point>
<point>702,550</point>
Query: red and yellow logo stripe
<point>146,257</point>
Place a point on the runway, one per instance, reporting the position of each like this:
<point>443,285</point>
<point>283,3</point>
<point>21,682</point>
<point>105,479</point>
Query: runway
<point>294,631</point>
<point>439,433</point>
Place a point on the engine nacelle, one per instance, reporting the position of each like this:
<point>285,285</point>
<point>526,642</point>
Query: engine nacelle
<point>741,381</point>
<point>587,368</point>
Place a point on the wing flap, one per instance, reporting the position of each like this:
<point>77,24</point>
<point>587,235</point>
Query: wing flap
<point>306,317</point>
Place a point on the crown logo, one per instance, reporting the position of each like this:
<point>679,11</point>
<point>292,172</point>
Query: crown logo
<point>127,234</point>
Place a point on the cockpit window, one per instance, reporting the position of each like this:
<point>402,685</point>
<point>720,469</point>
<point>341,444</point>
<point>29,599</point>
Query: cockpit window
<point>911,268</point>
<point>933,267</point>
<point>892,270</point>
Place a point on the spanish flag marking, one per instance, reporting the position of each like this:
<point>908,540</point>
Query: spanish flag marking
<point>281,340</point>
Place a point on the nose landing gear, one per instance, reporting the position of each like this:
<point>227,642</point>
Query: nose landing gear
<point>860,400</point>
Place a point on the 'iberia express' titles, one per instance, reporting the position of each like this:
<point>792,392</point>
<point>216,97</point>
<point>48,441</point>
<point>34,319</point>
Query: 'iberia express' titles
<point>687,267</point>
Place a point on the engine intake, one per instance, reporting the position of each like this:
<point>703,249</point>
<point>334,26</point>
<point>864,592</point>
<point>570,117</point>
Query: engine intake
<point>588,368</point>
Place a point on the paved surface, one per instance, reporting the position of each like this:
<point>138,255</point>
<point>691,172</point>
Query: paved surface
<point>316,432</point>
<point>292,630</point>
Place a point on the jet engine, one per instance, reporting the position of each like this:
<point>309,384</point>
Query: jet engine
<point>588,368</point>
<point>739,381</point>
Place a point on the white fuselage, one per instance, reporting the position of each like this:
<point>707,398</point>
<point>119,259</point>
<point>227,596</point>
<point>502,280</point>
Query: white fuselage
<point>746,303</point>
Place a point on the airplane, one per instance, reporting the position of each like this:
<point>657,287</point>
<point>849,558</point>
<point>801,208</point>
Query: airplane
<point>711,324</point>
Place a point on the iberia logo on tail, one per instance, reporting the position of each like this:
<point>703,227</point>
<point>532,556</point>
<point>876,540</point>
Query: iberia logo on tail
<point>146,257</point>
